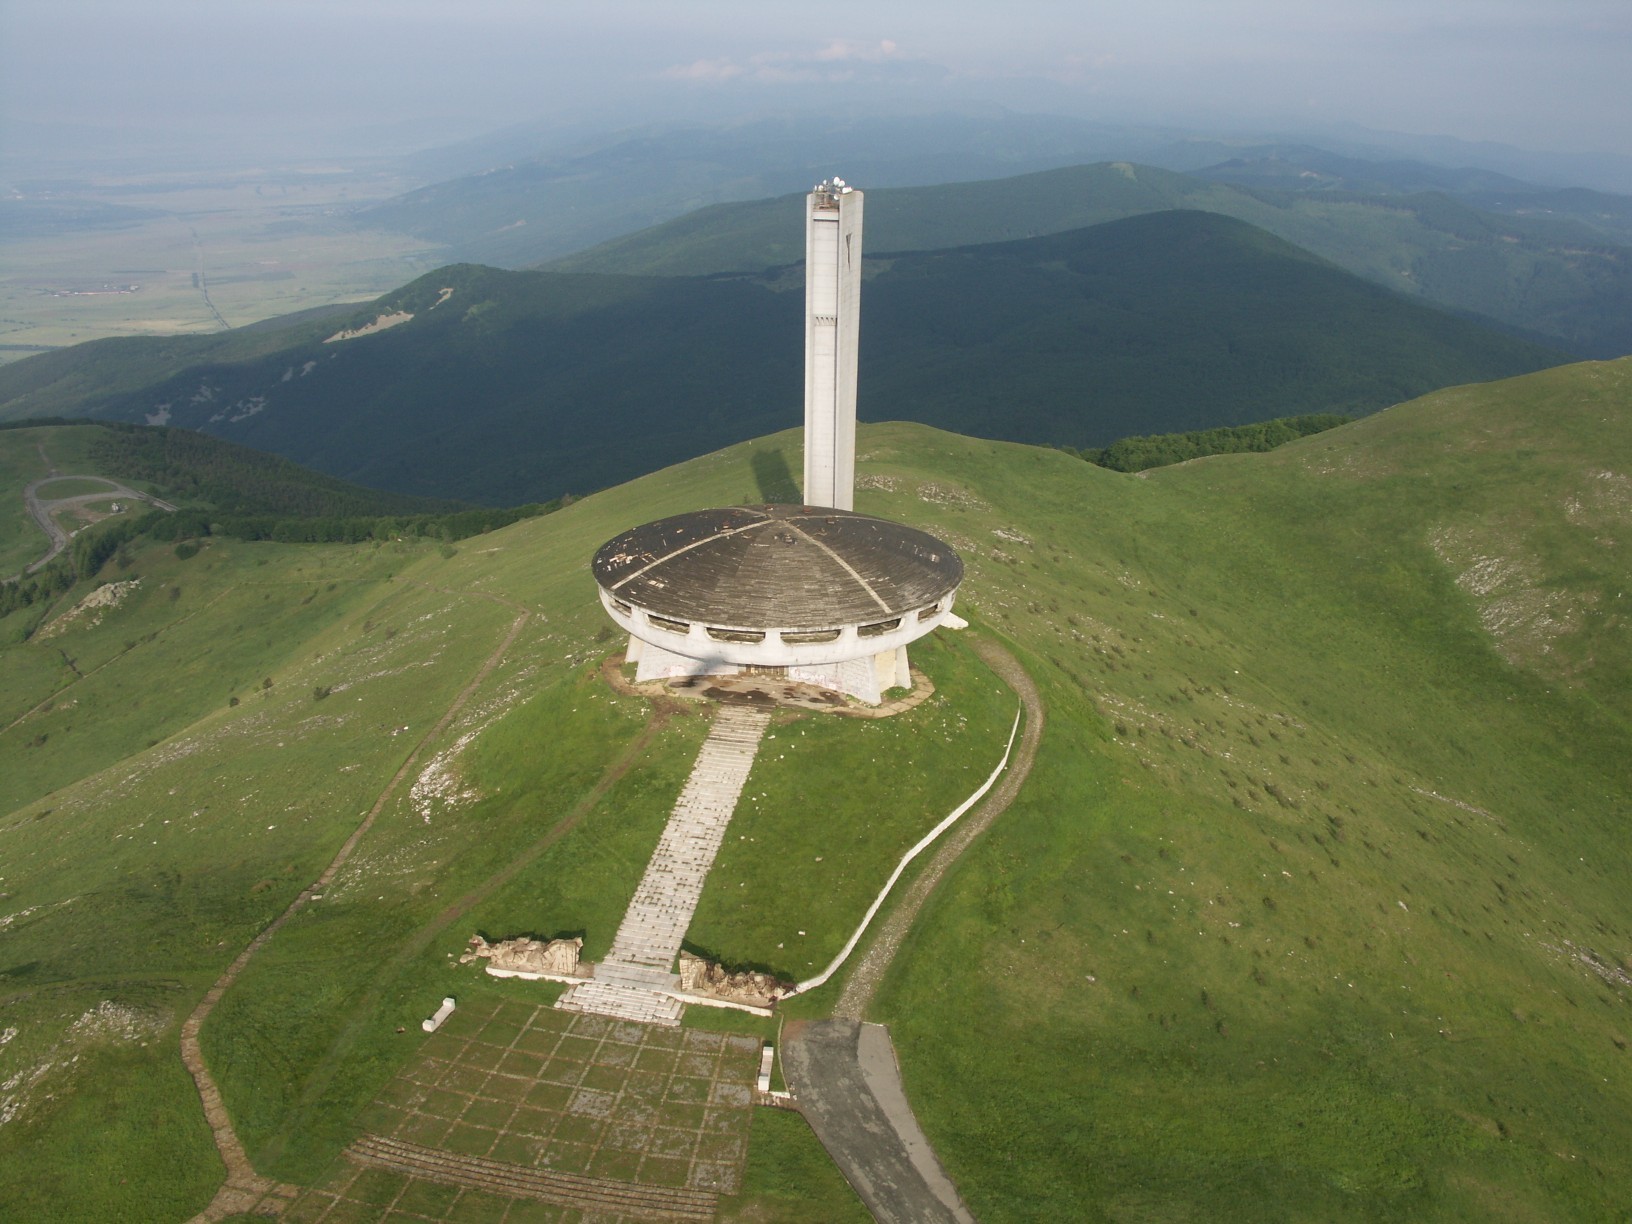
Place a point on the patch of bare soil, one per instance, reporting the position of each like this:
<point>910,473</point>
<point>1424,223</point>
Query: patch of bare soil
<point>368,329</point>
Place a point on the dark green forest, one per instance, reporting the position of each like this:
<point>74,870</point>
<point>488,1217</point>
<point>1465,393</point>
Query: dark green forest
<point>223,489</point>
<point>517,387</point>
<point>1140,453</point>
<point>233,479</point>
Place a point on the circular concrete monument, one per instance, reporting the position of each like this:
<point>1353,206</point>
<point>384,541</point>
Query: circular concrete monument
<point>818,593</point>
<point>811,593</point>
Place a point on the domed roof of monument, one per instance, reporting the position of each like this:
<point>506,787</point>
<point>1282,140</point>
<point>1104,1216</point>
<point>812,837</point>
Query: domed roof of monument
<point>777,567</point>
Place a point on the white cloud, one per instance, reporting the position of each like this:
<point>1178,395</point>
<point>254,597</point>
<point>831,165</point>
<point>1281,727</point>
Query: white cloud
<point>841,60</point>
<point>704,71</point>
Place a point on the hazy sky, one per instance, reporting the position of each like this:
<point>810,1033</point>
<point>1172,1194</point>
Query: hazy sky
<point>1544,74</point>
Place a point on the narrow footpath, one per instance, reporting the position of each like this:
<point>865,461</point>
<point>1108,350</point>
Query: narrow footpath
<point>874,962</point>
<point>244,1189</point>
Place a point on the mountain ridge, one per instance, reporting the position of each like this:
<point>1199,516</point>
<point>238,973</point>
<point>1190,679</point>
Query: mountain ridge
<point>492,386</point>
<point>1555,276</point>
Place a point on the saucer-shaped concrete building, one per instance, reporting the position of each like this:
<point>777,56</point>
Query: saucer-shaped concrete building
<point>808,593</point>
<point>817,593</point>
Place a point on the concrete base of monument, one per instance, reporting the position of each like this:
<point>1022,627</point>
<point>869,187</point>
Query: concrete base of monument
<point>865,677</point>
<point>768,691</point>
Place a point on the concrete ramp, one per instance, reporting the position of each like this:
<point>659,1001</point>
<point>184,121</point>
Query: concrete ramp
<point>848,1085</point>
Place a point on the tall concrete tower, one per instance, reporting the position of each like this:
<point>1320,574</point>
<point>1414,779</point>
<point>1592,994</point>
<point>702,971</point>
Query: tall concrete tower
<point>813,594</point>
<point>832,328</point>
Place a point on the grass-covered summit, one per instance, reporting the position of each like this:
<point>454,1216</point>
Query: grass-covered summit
<point>1313,906</point>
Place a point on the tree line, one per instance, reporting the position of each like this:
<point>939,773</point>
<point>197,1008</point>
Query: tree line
<point>86,554</point>
<point>1138,453</point>
<point>90,551</point>
<point>236,480</point>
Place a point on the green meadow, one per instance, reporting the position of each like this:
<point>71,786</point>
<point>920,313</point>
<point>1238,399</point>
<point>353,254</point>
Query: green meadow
<point>178,765</point>
<point>1312,908</point>
<point>866,790</point>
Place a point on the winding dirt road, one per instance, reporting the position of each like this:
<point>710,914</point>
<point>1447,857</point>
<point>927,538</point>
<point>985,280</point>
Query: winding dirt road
<point>44,509</point>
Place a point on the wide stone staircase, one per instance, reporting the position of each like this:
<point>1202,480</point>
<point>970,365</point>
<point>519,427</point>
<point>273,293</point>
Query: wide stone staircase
<point>636,980</point>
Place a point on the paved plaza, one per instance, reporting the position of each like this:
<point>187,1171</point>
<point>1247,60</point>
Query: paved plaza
<point>519,1112</point>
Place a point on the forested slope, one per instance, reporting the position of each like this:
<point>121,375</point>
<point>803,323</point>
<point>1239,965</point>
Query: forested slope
<point>504,387</point>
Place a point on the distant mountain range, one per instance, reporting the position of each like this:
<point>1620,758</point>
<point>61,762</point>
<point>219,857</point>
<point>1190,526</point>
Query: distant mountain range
<point>531,193</point>
<point>503,387</point>
<point>1472,228</point>
<point>1552,268</point>
<point>1304,170</point>
<point>497,201</point>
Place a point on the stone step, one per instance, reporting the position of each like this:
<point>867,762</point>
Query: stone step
<point>622,1003</point>
<point>627,973</point>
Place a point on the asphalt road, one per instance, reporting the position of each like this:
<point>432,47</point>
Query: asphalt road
<point>43,509</point>
<point>844,1075</point>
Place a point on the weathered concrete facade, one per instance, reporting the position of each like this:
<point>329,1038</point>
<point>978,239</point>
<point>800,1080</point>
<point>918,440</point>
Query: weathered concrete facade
<point>814,593</point>
<point>833,214</point>
<point>866,679</point>
<point>809,593</point>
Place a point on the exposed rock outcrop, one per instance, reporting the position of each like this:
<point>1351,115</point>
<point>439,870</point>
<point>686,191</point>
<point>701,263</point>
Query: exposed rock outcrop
<point>92,607</point>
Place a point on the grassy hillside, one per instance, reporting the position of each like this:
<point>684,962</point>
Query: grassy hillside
<point>505,387</point>
<point>1317,911</point>
<point>1313,907</point>
<point>184,467</point>
<point>180,761</point>
<point>1551,271</point>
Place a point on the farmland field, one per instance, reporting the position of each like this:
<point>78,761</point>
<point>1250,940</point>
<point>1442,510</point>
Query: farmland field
<point>183,256</point>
